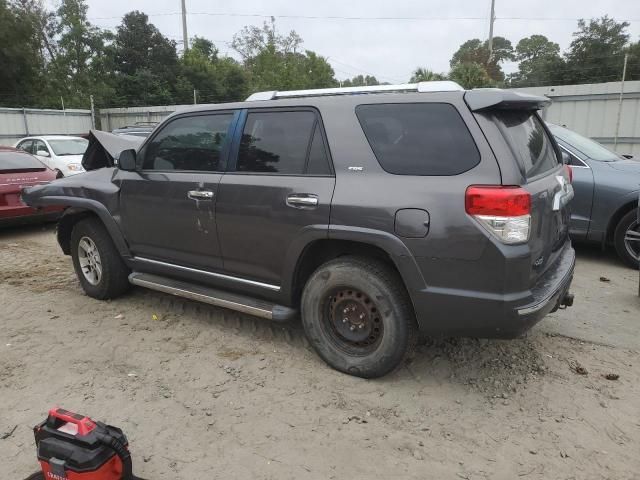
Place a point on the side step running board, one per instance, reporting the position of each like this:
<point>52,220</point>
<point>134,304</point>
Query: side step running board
<point>219,298</point>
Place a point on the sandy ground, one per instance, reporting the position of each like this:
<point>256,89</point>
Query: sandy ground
<point>205,393</point>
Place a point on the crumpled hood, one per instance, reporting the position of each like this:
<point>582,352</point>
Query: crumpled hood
<point>105,147</point>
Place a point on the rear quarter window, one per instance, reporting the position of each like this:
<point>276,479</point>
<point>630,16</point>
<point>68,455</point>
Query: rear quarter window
<point>529,142</point>
<point>418,138</point>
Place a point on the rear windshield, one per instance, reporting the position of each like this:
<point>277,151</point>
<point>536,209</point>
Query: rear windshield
<point>418,138</point>
<point>19,161</point>
<point>69,146</point>
<point>529,142</point>
<point>584,145</point>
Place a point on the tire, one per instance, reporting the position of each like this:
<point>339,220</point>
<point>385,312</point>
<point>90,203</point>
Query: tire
<point>112,280</point>
<point>627,250</point>
<point>334,300</point>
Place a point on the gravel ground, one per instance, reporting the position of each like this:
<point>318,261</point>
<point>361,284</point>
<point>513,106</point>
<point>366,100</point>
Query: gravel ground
<point>207,393</point>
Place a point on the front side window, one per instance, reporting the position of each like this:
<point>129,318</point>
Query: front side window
<point>276,142</point>
<point>39,146</point>
<point>529,141</point>
<point>189,143</point>
<point>27,146</point>
<point>418,138</point>
<point>584,145</point>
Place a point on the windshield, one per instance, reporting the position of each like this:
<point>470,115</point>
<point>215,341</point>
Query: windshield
<point>69,146</point>
<point>584,145</point>
<point>19,161</point>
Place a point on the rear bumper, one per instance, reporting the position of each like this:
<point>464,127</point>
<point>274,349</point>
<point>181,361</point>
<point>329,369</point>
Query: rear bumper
<point>481,314</point>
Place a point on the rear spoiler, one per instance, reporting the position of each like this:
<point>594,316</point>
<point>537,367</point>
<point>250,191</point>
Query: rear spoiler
<point>481,99</point>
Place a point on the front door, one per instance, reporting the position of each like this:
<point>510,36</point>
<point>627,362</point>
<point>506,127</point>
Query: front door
<point>168,206</point>
<point>582,203</point>
<point>279,184</point>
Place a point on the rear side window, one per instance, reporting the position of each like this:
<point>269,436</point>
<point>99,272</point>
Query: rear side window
<point>19,161</point>
<point>418,138</point>
<point>529,142</point>
<point>278,142</point>
<point>189,143</point>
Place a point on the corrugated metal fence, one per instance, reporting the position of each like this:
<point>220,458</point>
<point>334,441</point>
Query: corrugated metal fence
<point>112,118</point>
<point>592,110</point>
<point>16,123</point>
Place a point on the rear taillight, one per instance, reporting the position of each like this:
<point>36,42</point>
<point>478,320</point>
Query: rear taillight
<point>505,211</point>
<point>569,172</point>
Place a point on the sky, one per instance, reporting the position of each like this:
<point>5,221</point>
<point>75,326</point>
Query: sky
<point>388,39</point>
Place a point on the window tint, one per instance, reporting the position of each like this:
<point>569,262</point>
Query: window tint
<point>418,138</point>
<point>19,161</point>
<point>276,142</point>
<point>189,143</point>
<point>528,139</point>
<point>318,163</point>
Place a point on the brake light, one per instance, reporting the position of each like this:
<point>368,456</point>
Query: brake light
<point>569,172</point>
<point>505,211</point>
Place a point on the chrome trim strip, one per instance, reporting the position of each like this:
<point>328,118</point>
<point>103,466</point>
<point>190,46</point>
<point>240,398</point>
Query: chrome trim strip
<point>221,276</point>
<point>218,302</point>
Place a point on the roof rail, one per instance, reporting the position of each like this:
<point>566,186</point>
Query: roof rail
<point>436,86</point>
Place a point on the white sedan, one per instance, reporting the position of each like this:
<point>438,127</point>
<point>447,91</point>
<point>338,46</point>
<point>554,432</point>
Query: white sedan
<point>61,153</point>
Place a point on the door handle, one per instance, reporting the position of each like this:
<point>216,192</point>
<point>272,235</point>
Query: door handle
<point>200,194</point>
<point>302,200</point>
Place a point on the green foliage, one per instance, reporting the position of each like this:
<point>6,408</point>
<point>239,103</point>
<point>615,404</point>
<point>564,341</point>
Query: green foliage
<point>274,61</point>
<point>470,75</point>
<point>360,81</point>
<point>425,75</point>
<point>540,62</point>
<point>477,52</point>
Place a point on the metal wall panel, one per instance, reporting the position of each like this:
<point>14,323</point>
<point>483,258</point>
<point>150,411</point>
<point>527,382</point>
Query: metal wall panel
<point>592,110</point>
<point>16,123</point>
<point>112,118</point>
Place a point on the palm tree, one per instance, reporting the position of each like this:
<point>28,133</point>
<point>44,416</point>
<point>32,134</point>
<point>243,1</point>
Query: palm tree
<point>426,75</point>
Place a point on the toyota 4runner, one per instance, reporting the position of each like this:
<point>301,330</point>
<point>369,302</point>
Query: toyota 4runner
<point>373,213</point>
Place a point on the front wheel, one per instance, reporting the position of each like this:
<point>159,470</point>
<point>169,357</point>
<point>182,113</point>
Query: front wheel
<point>358,316</point>
<point>627,239</point>
<point>97,262</point>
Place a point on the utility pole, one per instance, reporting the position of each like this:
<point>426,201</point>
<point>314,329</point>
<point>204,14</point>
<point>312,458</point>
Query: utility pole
<point>624,74</point>
<point>491,20</point>
<point>185,36</point>
<point>93,113</point>
<point>195,98</point>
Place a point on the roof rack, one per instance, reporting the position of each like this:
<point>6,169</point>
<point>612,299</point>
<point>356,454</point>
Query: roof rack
<point>436,86</point>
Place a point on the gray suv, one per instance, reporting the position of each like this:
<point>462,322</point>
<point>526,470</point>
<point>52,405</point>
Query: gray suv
<point>373,213</point>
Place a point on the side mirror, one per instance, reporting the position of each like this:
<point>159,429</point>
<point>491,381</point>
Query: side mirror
<point>127,160</point>
<point>42,153</point>
<point>566,158</point>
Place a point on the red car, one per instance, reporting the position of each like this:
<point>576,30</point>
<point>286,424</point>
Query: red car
<point>18,169</point>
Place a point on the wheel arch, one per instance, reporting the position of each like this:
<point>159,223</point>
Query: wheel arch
<point>80,208</point>
<point>617,216</point>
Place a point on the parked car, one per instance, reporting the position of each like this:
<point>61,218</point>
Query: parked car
<point>59,152</point>
<point>606,195</point>
<point>18,169</point>
<point>140,129</point>
<point>371,212</point>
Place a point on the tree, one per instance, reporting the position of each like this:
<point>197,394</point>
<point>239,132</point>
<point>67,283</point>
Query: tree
<point>477,52</point>
<point>470,75</point>
<point>633,67</point>
<point>596,52</point>
<point>425,75</point>
<point>361,81</point>
<point>540,62</point>
<point>20,56</point>
<point>215,78</point>
<point>275,62</point>
<point>145,62</point>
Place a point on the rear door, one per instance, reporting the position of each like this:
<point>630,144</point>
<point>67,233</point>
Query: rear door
<point>280,182</point>
<point>543,175</point>
<point>168,206</point>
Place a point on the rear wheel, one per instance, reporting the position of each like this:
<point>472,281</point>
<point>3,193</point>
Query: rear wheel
<point>627,239</point>
<point>358,316</point>
<point>97,262</point>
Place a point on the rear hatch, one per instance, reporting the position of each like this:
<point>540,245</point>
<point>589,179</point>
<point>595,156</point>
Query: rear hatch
<point>19,170</point>
<point>529,148</point>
